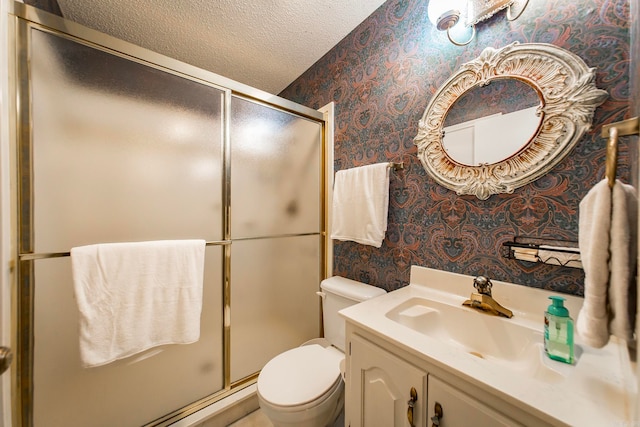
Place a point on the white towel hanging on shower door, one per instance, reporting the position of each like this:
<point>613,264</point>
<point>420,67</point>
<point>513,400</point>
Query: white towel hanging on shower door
<point>135,296</point>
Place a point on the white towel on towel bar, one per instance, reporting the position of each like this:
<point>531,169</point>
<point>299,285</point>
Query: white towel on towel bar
<point>361,204</point>
<point>135,296</point>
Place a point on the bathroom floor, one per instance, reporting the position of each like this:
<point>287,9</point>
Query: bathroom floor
<point>258,419</point>
<point>254,419</point>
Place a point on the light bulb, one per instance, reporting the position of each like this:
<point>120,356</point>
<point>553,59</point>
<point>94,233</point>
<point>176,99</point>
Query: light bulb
<point>446,13</point>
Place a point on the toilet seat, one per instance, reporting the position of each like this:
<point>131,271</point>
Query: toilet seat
<point>300,376</point>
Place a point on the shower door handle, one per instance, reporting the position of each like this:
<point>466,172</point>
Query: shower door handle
<point>6,356</point>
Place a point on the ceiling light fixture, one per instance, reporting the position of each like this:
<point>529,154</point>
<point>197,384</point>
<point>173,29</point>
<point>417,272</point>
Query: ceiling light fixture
<point>447,14</point>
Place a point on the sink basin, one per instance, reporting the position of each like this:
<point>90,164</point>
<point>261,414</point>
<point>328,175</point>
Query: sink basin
<point>498,340</point>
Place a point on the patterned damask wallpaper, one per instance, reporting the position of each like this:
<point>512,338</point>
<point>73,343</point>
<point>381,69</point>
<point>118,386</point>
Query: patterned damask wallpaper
<point>381,78</point>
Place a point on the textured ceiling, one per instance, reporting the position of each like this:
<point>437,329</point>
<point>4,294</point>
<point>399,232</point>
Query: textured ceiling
<point>266,44</point>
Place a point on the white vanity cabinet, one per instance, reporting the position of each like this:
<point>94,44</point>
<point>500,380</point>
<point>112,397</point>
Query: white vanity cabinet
<point>380,387</point>
<point>379,383</point>
<point>455,408</point>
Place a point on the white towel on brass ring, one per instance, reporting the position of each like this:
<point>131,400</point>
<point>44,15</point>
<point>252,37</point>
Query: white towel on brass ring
<point>607,238</point>
<point>134,296</point>
<point>361,204</point>
<point>592,323</point>
<point>622,283</point>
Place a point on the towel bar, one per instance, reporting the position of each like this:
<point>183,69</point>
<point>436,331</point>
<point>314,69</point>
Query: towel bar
<point>46,255</point>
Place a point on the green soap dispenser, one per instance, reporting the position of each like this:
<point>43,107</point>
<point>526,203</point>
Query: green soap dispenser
<point>558,331</point>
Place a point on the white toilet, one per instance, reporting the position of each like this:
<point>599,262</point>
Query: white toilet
<point>303,387</point>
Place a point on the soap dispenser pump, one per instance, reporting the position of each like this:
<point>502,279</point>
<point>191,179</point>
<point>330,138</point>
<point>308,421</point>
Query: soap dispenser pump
<point>558,331</point>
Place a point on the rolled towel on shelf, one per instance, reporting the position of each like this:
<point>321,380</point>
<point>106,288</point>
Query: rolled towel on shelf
<point>525,254</point>
<point>564,256</point>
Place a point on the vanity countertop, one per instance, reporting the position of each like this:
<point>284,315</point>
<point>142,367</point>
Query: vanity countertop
<point>598,389</point>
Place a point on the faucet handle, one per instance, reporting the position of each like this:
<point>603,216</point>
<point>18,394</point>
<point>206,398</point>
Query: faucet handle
<point>483,285</point>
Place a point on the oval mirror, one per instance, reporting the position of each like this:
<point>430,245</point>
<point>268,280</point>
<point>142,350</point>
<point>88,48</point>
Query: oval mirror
<point>508,105</point>
<point>563,102</point>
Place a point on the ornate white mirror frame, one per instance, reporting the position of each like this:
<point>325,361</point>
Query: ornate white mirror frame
<point>569,98</point>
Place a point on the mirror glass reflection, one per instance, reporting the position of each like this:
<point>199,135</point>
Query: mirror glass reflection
<point>488,124</point>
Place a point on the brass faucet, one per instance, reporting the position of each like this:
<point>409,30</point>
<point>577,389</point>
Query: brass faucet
<point>482,300</point>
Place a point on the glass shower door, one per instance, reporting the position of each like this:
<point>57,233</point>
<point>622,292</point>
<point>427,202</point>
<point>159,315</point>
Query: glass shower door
<point>276,182</point>
<point>119,144</point>
<point>120,151</point>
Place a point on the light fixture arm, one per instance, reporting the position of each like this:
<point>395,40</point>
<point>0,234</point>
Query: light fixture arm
<point>473,34</point>
<point>510,17</point>
<point>445,14</point>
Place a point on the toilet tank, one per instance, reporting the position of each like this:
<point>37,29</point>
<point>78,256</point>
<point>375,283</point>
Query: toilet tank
<point>338,293</point>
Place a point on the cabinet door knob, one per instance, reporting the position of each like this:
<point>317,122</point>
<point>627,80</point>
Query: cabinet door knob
<point>5,358</point>
<point>412,402</point>
<point>439,413</point>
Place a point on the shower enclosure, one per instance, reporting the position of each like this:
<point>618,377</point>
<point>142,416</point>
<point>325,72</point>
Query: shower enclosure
<point>116,143</point>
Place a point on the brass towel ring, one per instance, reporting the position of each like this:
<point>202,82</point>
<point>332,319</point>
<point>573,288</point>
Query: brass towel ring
<point>612,156</point>
<point>613,131</point>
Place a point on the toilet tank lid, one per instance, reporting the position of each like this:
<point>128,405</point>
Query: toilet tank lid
<point>351,289</point>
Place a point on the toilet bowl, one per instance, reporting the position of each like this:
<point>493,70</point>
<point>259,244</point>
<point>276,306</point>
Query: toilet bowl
<point>304,386</point>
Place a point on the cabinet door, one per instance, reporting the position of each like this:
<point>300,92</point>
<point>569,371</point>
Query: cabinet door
<point>460,409</point>
<point>380,386</point>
